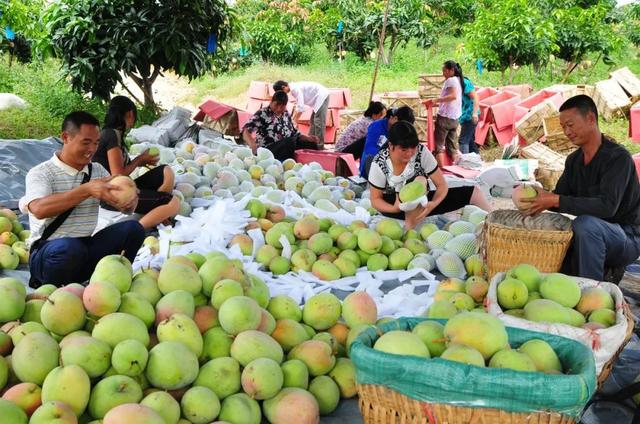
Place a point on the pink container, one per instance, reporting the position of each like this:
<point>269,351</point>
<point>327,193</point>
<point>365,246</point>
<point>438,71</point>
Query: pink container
<point>634,123</point>
<point>328,160</point>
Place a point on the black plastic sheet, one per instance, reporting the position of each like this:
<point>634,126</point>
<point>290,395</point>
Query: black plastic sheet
<point>17,157</point>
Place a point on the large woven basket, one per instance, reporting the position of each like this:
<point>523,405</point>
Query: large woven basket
<point>606,370</point>
<point>381,405</point>
<point>505,246</point>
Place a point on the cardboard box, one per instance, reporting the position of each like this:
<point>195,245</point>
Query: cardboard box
<point>339,98</point>
<point>260,90</point>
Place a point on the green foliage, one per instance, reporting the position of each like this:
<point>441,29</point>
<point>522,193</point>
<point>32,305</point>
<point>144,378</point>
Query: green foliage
<point>279,31</point>
<point>230,60</point>
<point>408,20</point>
<point>97,40</point>
<point>631,24</point>
<point>23,16</point>
<point>584,30</point>
<point>510,32</point>
<point>452,15</point>
<point>49,99</point>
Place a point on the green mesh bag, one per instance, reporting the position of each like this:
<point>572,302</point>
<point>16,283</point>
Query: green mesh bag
<point>441,381</point>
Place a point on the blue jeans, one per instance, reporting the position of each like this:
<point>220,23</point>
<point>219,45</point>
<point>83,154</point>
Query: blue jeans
<point>598,244</point>
<point>467,138</point>
<point>72,260</point>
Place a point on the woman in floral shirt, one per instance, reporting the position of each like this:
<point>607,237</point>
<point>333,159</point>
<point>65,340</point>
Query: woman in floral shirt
<point>353,137</point>
<point>272,128</point>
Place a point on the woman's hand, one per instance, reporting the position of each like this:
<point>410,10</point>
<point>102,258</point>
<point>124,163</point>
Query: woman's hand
<point>145,158</point>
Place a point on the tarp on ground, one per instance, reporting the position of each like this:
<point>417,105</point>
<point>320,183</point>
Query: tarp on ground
<point>17,157</point>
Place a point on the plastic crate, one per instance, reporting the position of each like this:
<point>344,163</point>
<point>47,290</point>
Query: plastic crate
<point>342,164</point>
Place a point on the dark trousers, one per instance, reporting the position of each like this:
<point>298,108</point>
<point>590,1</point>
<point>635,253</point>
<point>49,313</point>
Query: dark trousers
<point>445,135</point>
<point>72,260</point>
<point>285,148</point>
<point>467,138</point>
<point>356,148</point>
<point>598,244</point>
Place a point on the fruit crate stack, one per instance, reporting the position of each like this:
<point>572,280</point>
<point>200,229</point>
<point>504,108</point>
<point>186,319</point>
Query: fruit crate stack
<point>430,85</point>
<point>260,93</point>
<point>554,135</point>
<point>339,99</point>
<point>419,370</point>
<point>550,163</point>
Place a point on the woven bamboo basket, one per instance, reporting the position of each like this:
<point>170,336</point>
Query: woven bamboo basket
<point>550,163</point>
<point>504,246</point>
<point>531,126</point>
<point>381,405</point>
<point>606,370</point>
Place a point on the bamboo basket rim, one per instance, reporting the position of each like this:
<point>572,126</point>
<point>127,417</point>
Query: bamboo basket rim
<point>402,407</point>
<point>608,367</point>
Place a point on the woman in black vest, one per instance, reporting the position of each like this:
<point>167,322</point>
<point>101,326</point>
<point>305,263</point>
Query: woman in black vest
<point>156,203</point>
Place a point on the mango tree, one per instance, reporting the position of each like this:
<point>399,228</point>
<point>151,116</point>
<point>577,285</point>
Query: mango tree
<point>510,33</point>
<point>100,41</point>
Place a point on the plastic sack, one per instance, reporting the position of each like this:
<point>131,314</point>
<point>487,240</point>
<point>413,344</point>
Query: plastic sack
<point>604,343</point>
<point>149,134</point>
<point>409,206</point>
<point>446,382</point>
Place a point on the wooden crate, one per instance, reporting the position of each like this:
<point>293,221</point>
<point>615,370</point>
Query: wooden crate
<point>421,128</point>
<point>554,136</point>
<point>550,163</point>
<point>430,86</point>
<point>611,99</point>
<point>628,81</point>
<point>531,126</point>
<point>226,124</point>
<point>404,98</point>
<point>347,116</point>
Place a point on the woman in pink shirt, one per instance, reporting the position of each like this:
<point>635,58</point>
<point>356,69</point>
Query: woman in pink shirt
<point>449,111</point>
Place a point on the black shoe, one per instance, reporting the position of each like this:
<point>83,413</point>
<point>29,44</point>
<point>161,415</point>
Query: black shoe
<point>614,275</point>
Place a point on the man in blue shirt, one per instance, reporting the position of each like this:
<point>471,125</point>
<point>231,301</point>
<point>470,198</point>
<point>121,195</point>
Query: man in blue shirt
<point>469,118</point>
<point>377,135</point>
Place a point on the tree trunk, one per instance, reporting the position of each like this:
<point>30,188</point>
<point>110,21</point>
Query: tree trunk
<point>511,62</point>
<point>392,49</point>
<point>145,82</point>
<point>570,67</point>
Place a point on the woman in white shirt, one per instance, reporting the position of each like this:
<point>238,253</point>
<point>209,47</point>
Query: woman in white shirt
<point>403,160</point>
<point>449,111</point>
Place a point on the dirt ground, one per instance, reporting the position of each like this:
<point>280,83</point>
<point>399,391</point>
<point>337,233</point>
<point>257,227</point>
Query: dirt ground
<point>169,91</point>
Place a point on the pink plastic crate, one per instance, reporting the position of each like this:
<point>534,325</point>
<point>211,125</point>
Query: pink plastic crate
<point>634,123</point>
<point>524,90</point>
<point>503,135</point>
<point>339,98</point>
<point>502,105</point>
<point>481,132</point>
<point>260,90</point>
<point>333,117</point>
<point>328,160</point>
<point>539,97</point>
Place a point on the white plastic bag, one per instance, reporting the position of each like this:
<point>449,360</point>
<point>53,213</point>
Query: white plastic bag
<point>604,343</point>
<point>409,206</point>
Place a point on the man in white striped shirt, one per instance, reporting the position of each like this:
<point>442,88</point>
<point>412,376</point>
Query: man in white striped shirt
<point>70,181</point>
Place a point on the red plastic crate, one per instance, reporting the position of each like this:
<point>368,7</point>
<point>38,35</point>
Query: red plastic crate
<point>328,160</point>
<point>634,123</point>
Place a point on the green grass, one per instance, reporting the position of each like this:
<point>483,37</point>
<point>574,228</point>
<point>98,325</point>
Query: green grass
<point>49,98</point>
